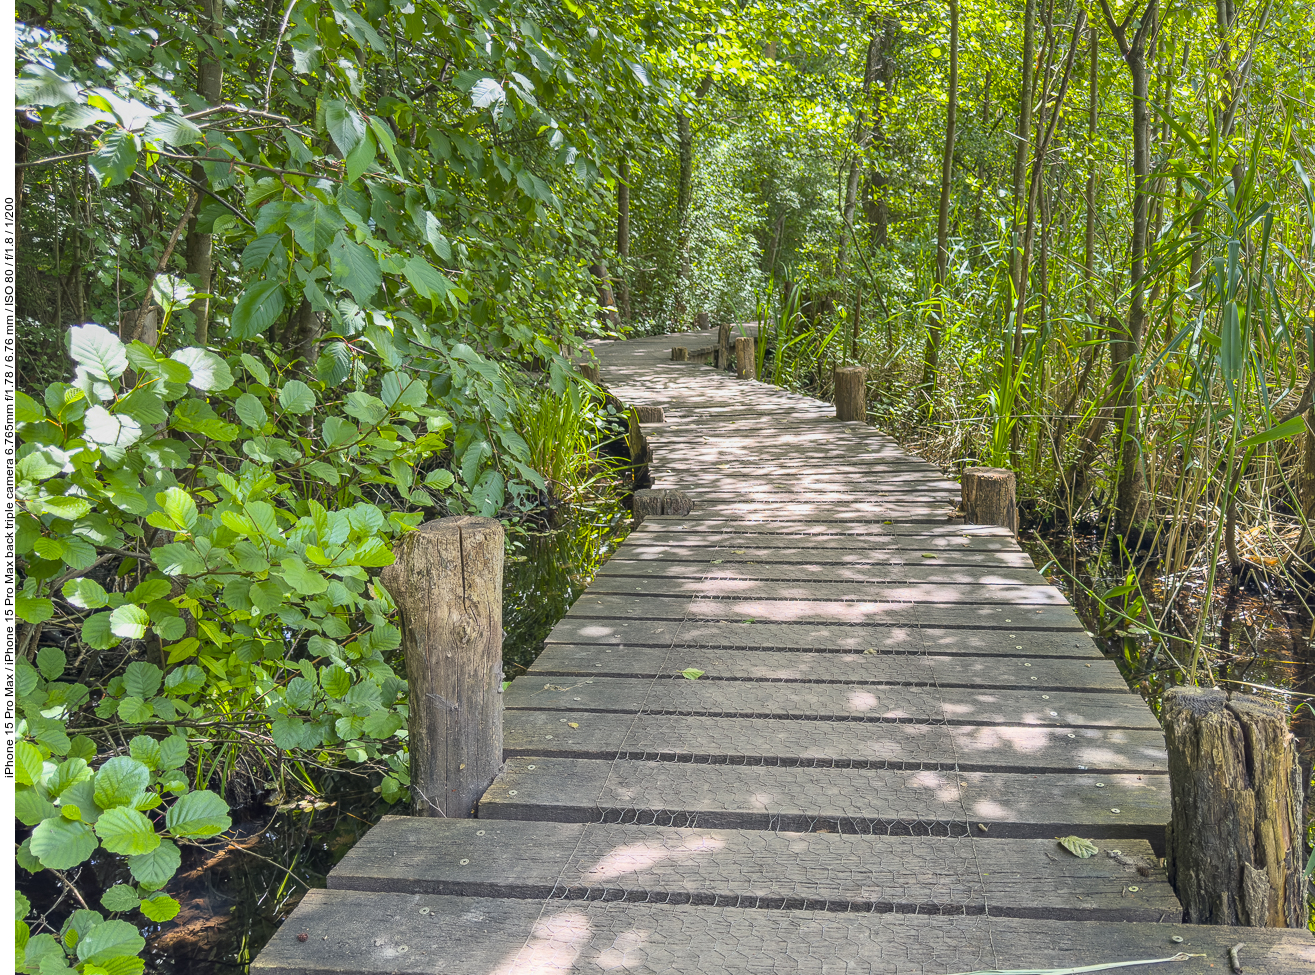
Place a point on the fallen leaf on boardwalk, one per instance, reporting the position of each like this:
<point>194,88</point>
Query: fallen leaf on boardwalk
<point>572,724</point>
<point>871,652</point>
<point>929,555</point>
<point>691,673</point>
<point>1078,846</point>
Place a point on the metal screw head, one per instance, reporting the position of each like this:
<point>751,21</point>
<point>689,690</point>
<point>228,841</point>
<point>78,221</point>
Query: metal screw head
<point>529,766</point>
<point>1134,889</point>
<point>1045,697</point>
<point>1071,735</point>
<point>1025,665</point>
<point>511,792</point>
<point>463,862</point>
<point>1054,714</point>
<point>1176,939</point>
<point>1114,810</point>
<point>1100,785</point>
<point>479,832</point>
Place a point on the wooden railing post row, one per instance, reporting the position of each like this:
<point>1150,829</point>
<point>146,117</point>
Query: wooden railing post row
<point>447,583</point>
<point>1235,840</point>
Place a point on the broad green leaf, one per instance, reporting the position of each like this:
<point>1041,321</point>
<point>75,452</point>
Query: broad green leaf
<point>1279,431</point>
<point>67,774</point>
<point>26,409</point>
<point>96,632</point>
<point>125,830</point>
<point>691,673</point>
<point>198,815</point>
<point>141,678</point>
<point>33,609</point>
<point>305,581</point>
<point>335,681</point>
<point>178,505</point>
<point>30,808</point>
<point>400,391</point>
<point>185,680</point>
<point>98,350</point>
<point>38,85</point>
<point>86,593</point>
<point>173,752</point>
<point>41,946</point>
<point>313,225</point>
<point>210,374</point>
<point>108,941</point>
<point>70,507</point>
<point>361,158</point>
<point>296,397</point>
<point>60,844</point>
<point>355,268</point>
<point>156,868</point>
<point>51,662</point>
<point>115,157</point>
<point>427,281</point>
<point>173,130</point>
<point>146,750</point>
<point>28,764</point>
<point>119,781</point>
<point>251,411</point>
<point>129,622</point>
<point>81,796</point>
<point>1078,846</point>
<point>257,309</point>
<point>120,897</point>
<point>100,426</point>
<point>344,124</point>
<point>160,907</point>
<point>254,258</point>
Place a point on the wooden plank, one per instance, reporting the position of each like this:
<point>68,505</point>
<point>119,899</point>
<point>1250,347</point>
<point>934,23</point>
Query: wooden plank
<point>925,571</point>
<point>761,550</point>
<point>817,871</point>
<point>1043,594</point>
<point>846,613</point>
<point>362,933</point>
<point>831,744</point>
<point>845,800</point>
<point>834,702</point>
<point>1043,674</point>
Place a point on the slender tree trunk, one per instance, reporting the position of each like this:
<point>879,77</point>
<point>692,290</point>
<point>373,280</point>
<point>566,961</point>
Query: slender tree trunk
<point>936,321</point>
<point>1130,501</point>
<point>1023,134</point>
<point>199,247</point>
<point>684,192</point>
<point>623,233</point>
<point>876,207</point>
<point>862,136</point>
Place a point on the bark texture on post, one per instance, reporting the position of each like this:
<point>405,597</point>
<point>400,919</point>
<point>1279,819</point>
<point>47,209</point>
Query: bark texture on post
<point>650,414</point>
<point>746,359</point>
<point>1235,839</point>
<point>852,393</point>
<point>680,354</point>
<point>447,582</point>
<point>989,497</point>
<point>589,371</point>
<point>724,346</point>
<point>655,501</point>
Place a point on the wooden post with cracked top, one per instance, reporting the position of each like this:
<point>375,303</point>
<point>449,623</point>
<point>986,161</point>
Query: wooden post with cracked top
<point>746,362</point>
<point>990,497</point>
<point>851,393</point>
<point>447,583</point>
<point>1235,839</point>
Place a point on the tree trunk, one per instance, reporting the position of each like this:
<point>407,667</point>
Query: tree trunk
<point>606,300</point>
<point>1235,839</point>
<point>875,207</point>
<point>1023,144</point>
<point>1130,500</point>
<point>447,583</point>
<point>861,139</point>
<point>684,194</point>
<point>936,320</point>
<point>1089,237</point>
<point>623,233</point>
<point>199,247</point>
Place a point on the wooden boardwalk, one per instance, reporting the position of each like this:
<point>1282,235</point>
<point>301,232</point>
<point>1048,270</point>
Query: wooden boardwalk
<point>893,716</point>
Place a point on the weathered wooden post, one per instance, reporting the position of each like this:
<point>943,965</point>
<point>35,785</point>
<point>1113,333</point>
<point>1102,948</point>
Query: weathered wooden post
<point>701,321</point>
<point>851,393</point>
<point>650,414</point>
<point>989,497</point>
<point>746,361</point>
<point>724,345</point>
<point>589,371</point>
<point>1235,837</point>
<point>447,583</point>
<point>655,501</point>
<point>680,354</point>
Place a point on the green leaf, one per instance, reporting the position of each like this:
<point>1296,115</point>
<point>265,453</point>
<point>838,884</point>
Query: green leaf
<point>335,681</point>
<point>98,350</point>
<point>173,752</point>
<point>144,406</point>
<point>296,397</point>
<point>60,844</point>
<point>115,157</point>
<point>1281,431</point>
<point>22,907</point>
<point>129,622</point>
<point>125,830</point>
<point>210,374</point>
<point>26,409</point>
<point>40,947</point>
<point>361,158</point>
<point>119,781</point>
<point>198,815</point>
<point>173,130</point>
<point>691,673</point>
<point>251,411</point>
<point>146,750</point>
<point>254,258</point>
<point>100,426</point>
<point>1079,847</point>
<point>29,764</point>
<point>160,907</point>
<point>179,507</point>
<point>81,796</point>
<point>108,941</point>
<point>96,632</point>
<point>51,662</point>
<point>440,479</point>
<point>30,808</point>
<point>33,609</point>
<point>427,282</point>
<point>185,680</point>
<point>257,309</point>
<point>120,897</point>
<point>344,124</point>
<point>401,391</point>
<point>141,679</point>
<point>156,868</point>
<point>306,581</point>
<point>339,431</point>
<point>85,593</point>
<point>355,268</point>
<point>313,225</point>
<point>38,85</point>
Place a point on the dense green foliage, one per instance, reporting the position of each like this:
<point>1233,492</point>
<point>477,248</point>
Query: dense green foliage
<point>374,235</point>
